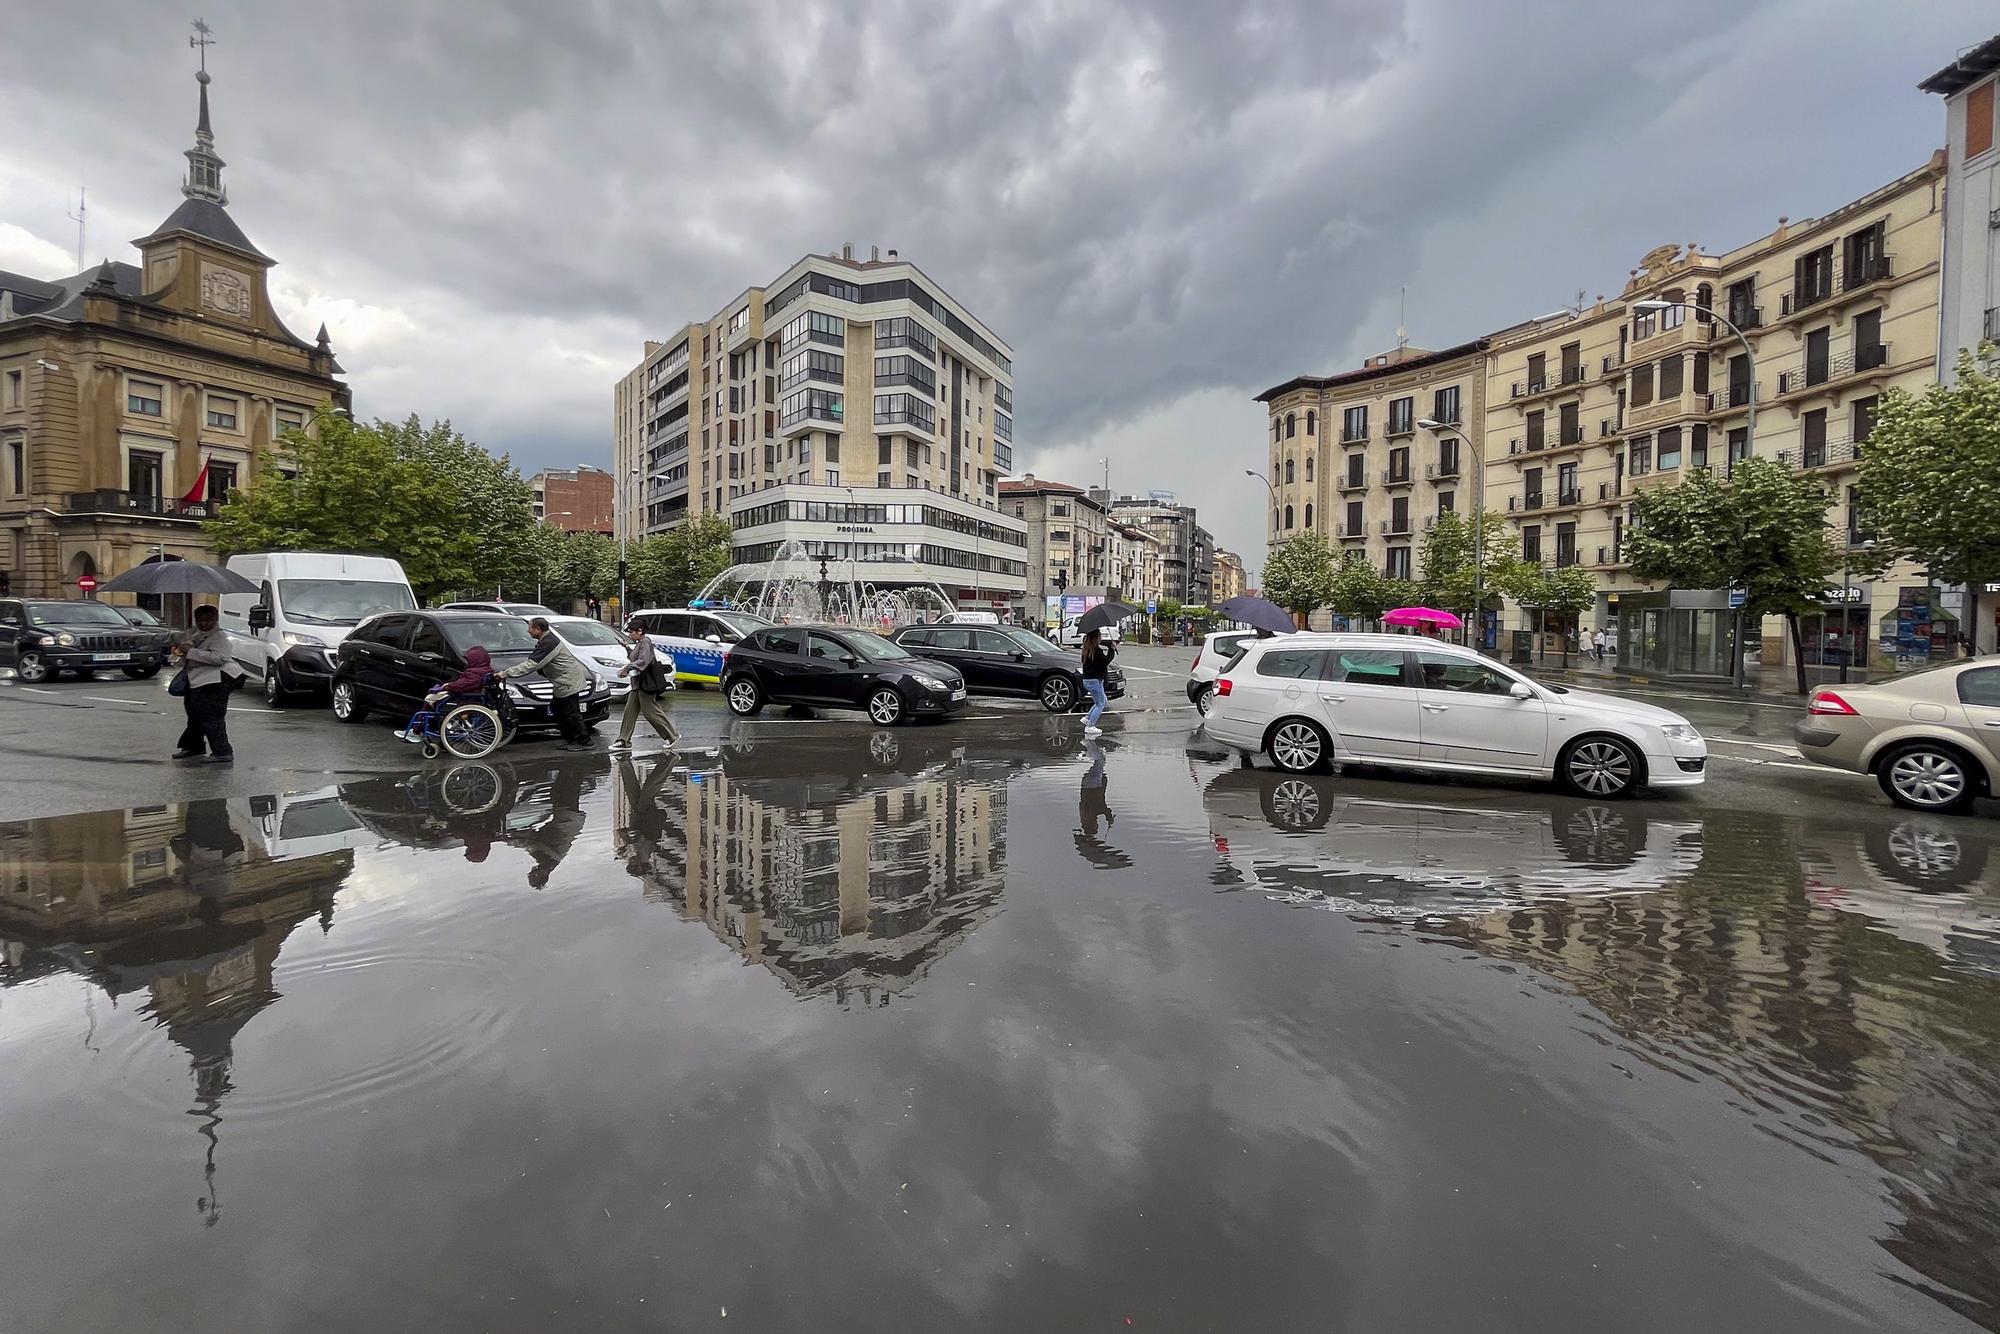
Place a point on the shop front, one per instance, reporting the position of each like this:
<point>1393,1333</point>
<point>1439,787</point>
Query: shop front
<point>1833,641</point>
<point>1676,634</point>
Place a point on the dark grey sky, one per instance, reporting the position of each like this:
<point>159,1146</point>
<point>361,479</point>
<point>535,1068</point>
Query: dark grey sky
<point>1165,208</point>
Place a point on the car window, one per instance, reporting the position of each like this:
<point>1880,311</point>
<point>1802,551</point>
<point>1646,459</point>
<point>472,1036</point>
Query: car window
<point>1448,671</point>
<point>872,646</point>
<point>741,622</point>
<point>1031,641</point>
<point>948,638</point>
<point>665,623</point>
<point>1365,666</point>
<point>425,637</point>
<point>783,641</point>
<point>497,633</point>
<point>915,638</point>
<point>389,630</point>
<point>1980,687</point>
<point>1296,664</point>
<point>827,649</point>
<point>1228,644</point>
<point>74,613</point>
<point>991,641</point>
<point>10,612</point>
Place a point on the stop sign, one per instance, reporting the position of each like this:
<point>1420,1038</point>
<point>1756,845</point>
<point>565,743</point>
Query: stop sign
<point>88,583</point>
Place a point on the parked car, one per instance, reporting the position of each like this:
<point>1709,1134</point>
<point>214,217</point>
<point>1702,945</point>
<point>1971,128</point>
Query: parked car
<point>838,667</point>
<point>521,609</point>
<point>1930,738</point>
<point>699,638</point>
<point>140,617</point>
<point>1308,699</point>
<point>969,618</point>
<point>1214,654</point>
<point>389,661</point>
<point>601,648</point>
<point>287,634</point>
<point>42,640</point>
<point>1011,662</point>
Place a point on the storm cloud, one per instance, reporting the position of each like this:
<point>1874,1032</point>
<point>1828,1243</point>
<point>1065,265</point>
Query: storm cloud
<point>1165,208</point>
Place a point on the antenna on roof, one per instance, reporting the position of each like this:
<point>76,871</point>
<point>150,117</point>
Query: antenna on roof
<point>1402,318</point>
<point>77,217</point>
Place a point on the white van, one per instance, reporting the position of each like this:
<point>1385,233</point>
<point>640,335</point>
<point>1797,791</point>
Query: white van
<point>969,618</point>
<point>288,632</point>
<point>1071,637</point>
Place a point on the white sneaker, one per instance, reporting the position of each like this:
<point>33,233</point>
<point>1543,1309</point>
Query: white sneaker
<point>1093,731</point>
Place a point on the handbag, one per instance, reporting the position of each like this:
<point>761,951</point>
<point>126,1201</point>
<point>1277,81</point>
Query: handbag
<point>653,679</point>
<point>177,686</point>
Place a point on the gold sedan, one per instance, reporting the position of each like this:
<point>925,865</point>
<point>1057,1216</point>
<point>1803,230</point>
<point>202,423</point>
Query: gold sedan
<point>1931,738</point>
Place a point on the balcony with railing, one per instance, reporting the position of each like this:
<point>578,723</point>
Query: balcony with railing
<point>1551,383</point>
<point>1396,527</point>
<point>137,505</point>
<point>1443,470</point>
<point>1359,437</point>
<point>1610,557</point>
<point>1347,485</point>
<point>1393,428</point>
<point>1864,360</point>
<point>1397,476</point>
<point>1691,332</point>
<point>1611,492</point>
<point>1843,284</point>
<point>1354,533</point>
<point>1828,454</point>
<point>1730,398</point>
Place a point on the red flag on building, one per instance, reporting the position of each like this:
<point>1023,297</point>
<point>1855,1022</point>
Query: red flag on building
<point>198,493</point>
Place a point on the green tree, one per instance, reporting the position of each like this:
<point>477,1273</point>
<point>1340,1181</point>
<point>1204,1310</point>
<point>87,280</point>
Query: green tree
<point>1448,562</point>
<point>344,486</point>
<point>491,501</point>
<point>669,568</point>
<point>1931,490</point>
<point>1360,591</point>
<point>1298,575</point>
<point>1568,592</point>
<point>1765,533</point>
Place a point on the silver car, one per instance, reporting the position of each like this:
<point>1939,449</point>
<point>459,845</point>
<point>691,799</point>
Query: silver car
<point>1931,738</point>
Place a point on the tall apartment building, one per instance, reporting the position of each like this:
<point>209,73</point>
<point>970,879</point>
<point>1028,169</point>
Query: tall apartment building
<point>744,415</point>
<point>1069,533</point>
<point>1971,294</point>
<point>1230,578</point>
<point>576,500</point>
<point>1187,552</point>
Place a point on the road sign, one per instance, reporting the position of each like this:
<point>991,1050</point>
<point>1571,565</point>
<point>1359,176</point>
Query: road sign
<point>1152,606</point>
<point>88,583</point>
<point>1735,598</point>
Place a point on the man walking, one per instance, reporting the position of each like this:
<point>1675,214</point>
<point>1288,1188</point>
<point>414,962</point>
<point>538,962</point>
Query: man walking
<point>565,671</point>
<point>212,673</point>
<point>651,680</point>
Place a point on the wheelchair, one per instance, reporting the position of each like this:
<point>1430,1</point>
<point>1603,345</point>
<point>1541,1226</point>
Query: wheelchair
<point>468,729</point>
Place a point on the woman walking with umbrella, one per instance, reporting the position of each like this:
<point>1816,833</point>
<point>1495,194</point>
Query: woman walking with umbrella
<point>209,672</point>
<point>1097,656</point>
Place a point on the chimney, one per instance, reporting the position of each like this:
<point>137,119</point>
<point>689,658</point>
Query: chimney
<point>847,251</point>
<point>892,254</point>
<point>874,254</point>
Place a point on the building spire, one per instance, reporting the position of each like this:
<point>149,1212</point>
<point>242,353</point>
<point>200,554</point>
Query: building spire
<point>204,178</point>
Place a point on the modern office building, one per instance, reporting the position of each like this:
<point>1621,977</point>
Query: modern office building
<point>723,413</point>
<point>135,398</point>
<point>1186,551</point>
<point>576,500</point>
<point>1971,282</point>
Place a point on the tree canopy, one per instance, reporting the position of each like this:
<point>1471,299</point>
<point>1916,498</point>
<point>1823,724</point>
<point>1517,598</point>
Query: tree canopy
<point>1931,490</point>
<point>669,568</point>
<point>1448,561</point>
<point>1298,575</point>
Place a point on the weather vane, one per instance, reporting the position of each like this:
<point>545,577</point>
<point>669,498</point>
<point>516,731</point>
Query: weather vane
<point>201,41</point>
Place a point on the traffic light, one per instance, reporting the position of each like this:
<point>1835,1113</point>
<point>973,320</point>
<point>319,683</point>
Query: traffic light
<point>1062,580</point>
<point>621,570</point>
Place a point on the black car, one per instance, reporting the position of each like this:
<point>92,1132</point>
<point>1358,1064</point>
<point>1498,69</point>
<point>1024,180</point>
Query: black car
<point>392,658</point>
<point>42,640</point>
<point>1006,661</point>
<point>839,668</point>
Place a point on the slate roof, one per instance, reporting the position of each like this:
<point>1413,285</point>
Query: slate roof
<point>208,220</point>
<point>62,299</point>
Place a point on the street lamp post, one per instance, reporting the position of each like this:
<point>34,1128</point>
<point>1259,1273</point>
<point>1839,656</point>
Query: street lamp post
<point>1436,427</point>
<point>1655,304</point>
<point>1272,540</point>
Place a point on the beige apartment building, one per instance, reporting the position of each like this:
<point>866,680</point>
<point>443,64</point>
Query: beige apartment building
<point>1230,579</point>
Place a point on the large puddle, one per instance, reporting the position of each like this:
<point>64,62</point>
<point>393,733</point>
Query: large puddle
<point>917,1033</point>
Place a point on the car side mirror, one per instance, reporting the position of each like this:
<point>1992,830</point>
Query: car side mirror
<point>1520,690</point>
<point>850,660</point>
<point>1020,655</point>
<point>713,639</point>
<point>260,617</point>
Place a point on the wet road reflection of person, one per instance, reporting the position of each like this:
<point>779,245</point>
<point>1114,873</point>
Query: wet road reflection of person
<point>645,827</point>
<point>549,841</point>
<point>1093,805</point>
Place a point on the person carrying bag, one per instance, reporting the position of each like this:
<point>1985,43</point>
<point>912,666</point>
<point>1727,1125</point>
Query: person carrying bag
<point>651,680</point>
<point>208,675</point>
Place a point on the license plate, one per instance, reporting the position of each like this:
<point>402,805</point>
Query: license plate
<point>958,692</point>
<point>111,657</point>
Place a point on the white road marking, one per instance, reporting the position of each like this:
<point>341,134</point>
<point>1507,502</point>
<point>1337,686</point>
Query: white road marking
<point>108,699</point>
<point>37,690</point>
<point>1150,671</point>
<point>1758,745</point>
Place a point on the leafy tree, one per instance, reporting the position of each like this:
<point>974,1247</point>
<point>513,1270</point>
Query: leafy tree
<point>1765,533</point>
<point>1298,576</point>
<point>345,486</point>
<point>1568,592</point>
<point>1931,490</point>
<point>669,568</point>
<point>1447,561</point>
<point>492,503</point>
<point>1359,590</point>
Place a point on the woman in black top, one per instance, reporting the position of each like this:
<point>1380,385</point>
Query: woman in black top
<point>1097,656</point>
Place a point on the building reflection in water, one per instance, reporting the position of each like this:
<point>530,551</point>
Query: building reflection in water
<point>1842,979</point>
<point>173,903</point>
<point>844,875</point>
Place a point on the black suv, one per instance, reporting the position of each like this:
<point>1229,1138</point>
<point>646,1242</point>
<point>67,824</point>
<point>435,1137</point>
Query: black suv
<point>1006,661</point>
<point>392,658</point>
<point>838,667</point>
<point>42,640</point>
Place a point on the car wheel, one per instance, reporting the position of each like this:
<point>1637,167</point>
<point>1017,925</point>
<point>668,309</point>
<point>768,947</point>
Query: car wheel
<point>1294,805</point>
<point>1203,699</point>
<point>274,686</point>
<point>1926,855</point>
<point>746,697</point>
<point>142,673</point>
<point>1927,777</point>
<point>885,707</point>
<point>347,705</point>
<point>33,668</point>
<point>883,748</point>
<point>1297,746</point>
<point>1600,766</point>
<point>1058,693</point>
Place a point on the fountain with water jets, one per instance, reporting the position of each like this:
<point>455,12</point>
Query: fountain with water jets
<point>795,586</point>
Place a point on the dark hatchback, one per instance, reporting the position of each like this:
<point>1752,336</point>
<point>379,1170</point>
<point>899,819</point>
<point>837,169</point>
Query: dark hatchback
<point>1007,661</point>
<point>839,668</point>
<point>389,660</point>
<point>42,640</point>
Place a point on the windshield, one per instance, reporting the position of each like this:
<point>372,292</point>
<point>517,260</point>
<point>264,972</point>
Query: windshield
<point>590,633</point>
<point>74,613</point>
<point>138,616</point>
<point>741,622</point>
<point>499,634</point>
<point>1031,641</point>
<point>872,646</point>
<point>340,601</point>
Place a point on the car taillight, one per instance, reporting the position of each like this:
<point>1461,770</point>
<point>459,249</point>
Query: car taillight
<point>1826,701</point>
<point>1197,660</point>
<point>1223,686</point>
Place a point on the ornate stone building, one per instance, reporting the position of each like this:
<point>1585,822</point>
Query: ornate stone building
<point>134,398</point>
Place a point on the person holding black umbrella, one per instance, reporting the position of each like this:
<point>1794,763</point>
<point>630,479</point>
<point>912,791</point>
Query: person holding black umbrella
<point>210,673</point>
<point>1097,656</point>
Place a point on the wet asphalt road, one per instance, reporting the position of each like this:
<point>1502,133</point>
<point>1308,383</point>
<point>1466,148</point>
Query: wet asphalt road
<point>980,1027</point>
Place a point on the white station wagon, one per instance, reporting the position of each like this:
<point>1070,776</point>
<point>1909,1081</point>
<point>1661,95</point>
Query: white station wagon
<point>1399,701</point>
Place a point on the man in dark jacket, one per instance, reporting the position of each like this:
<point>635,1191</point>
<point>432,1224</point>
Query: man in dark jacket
<point>552,659</point>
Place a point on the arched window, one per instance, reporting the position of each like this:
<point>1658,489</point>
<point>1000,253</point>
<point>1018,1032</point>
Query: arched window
<point>1704,296</point>
<point>1291,424</point>
<point>1309,514</point>
<point>1312,422</point>
<point>1288,516</point>
<point>1277,430</point>
<point>1289,478</point>
<point>1309,468</point>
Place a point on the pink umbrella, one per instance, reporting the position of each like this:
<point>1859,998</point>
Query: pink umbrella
<point>1422,616</point>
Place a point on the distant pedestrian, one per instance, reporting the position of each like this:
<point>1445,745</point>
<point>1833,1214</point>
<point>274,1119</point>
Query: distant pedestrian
<point>595,607</point>
<point>1097,656</point>
<point>651,680</point>
<point>212,674</point>
<point>1597,643</point>
<point>566,672</point>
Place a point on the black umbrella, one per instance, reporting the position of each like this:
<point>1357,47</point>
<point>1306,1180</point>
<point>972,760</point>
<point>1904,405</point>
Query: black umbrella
<point>178,576</point>
<point>1258,614</point>
<point>1105,613</point>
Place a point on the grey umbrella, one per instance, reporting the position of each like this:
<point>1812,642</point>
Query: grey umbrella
<point>1258,614</point>
<point>1106,613</point>
<point>178,576</point>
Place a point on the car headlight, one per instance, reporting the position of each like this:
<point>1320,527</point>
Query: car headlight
<point>293,639</point>
<point>65,639</point>
<point>1680,732</point>
<point>927,680</point>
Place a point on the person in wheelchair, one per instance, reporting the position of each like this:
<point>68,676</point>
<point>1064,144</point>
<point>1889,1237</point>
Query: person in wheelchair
<point>469,686</point>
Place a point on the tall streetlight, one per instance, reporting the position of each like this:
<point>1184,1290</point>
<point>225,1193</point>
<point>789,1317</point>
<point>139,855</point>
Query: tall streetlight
<point>1653,305</point>
<point>1436,427</point>
<point>1272,540</point>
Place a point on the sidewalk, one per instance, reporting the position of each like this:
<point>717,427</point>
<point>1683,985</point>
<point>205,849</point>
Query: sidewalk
<point>1587,671</point>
